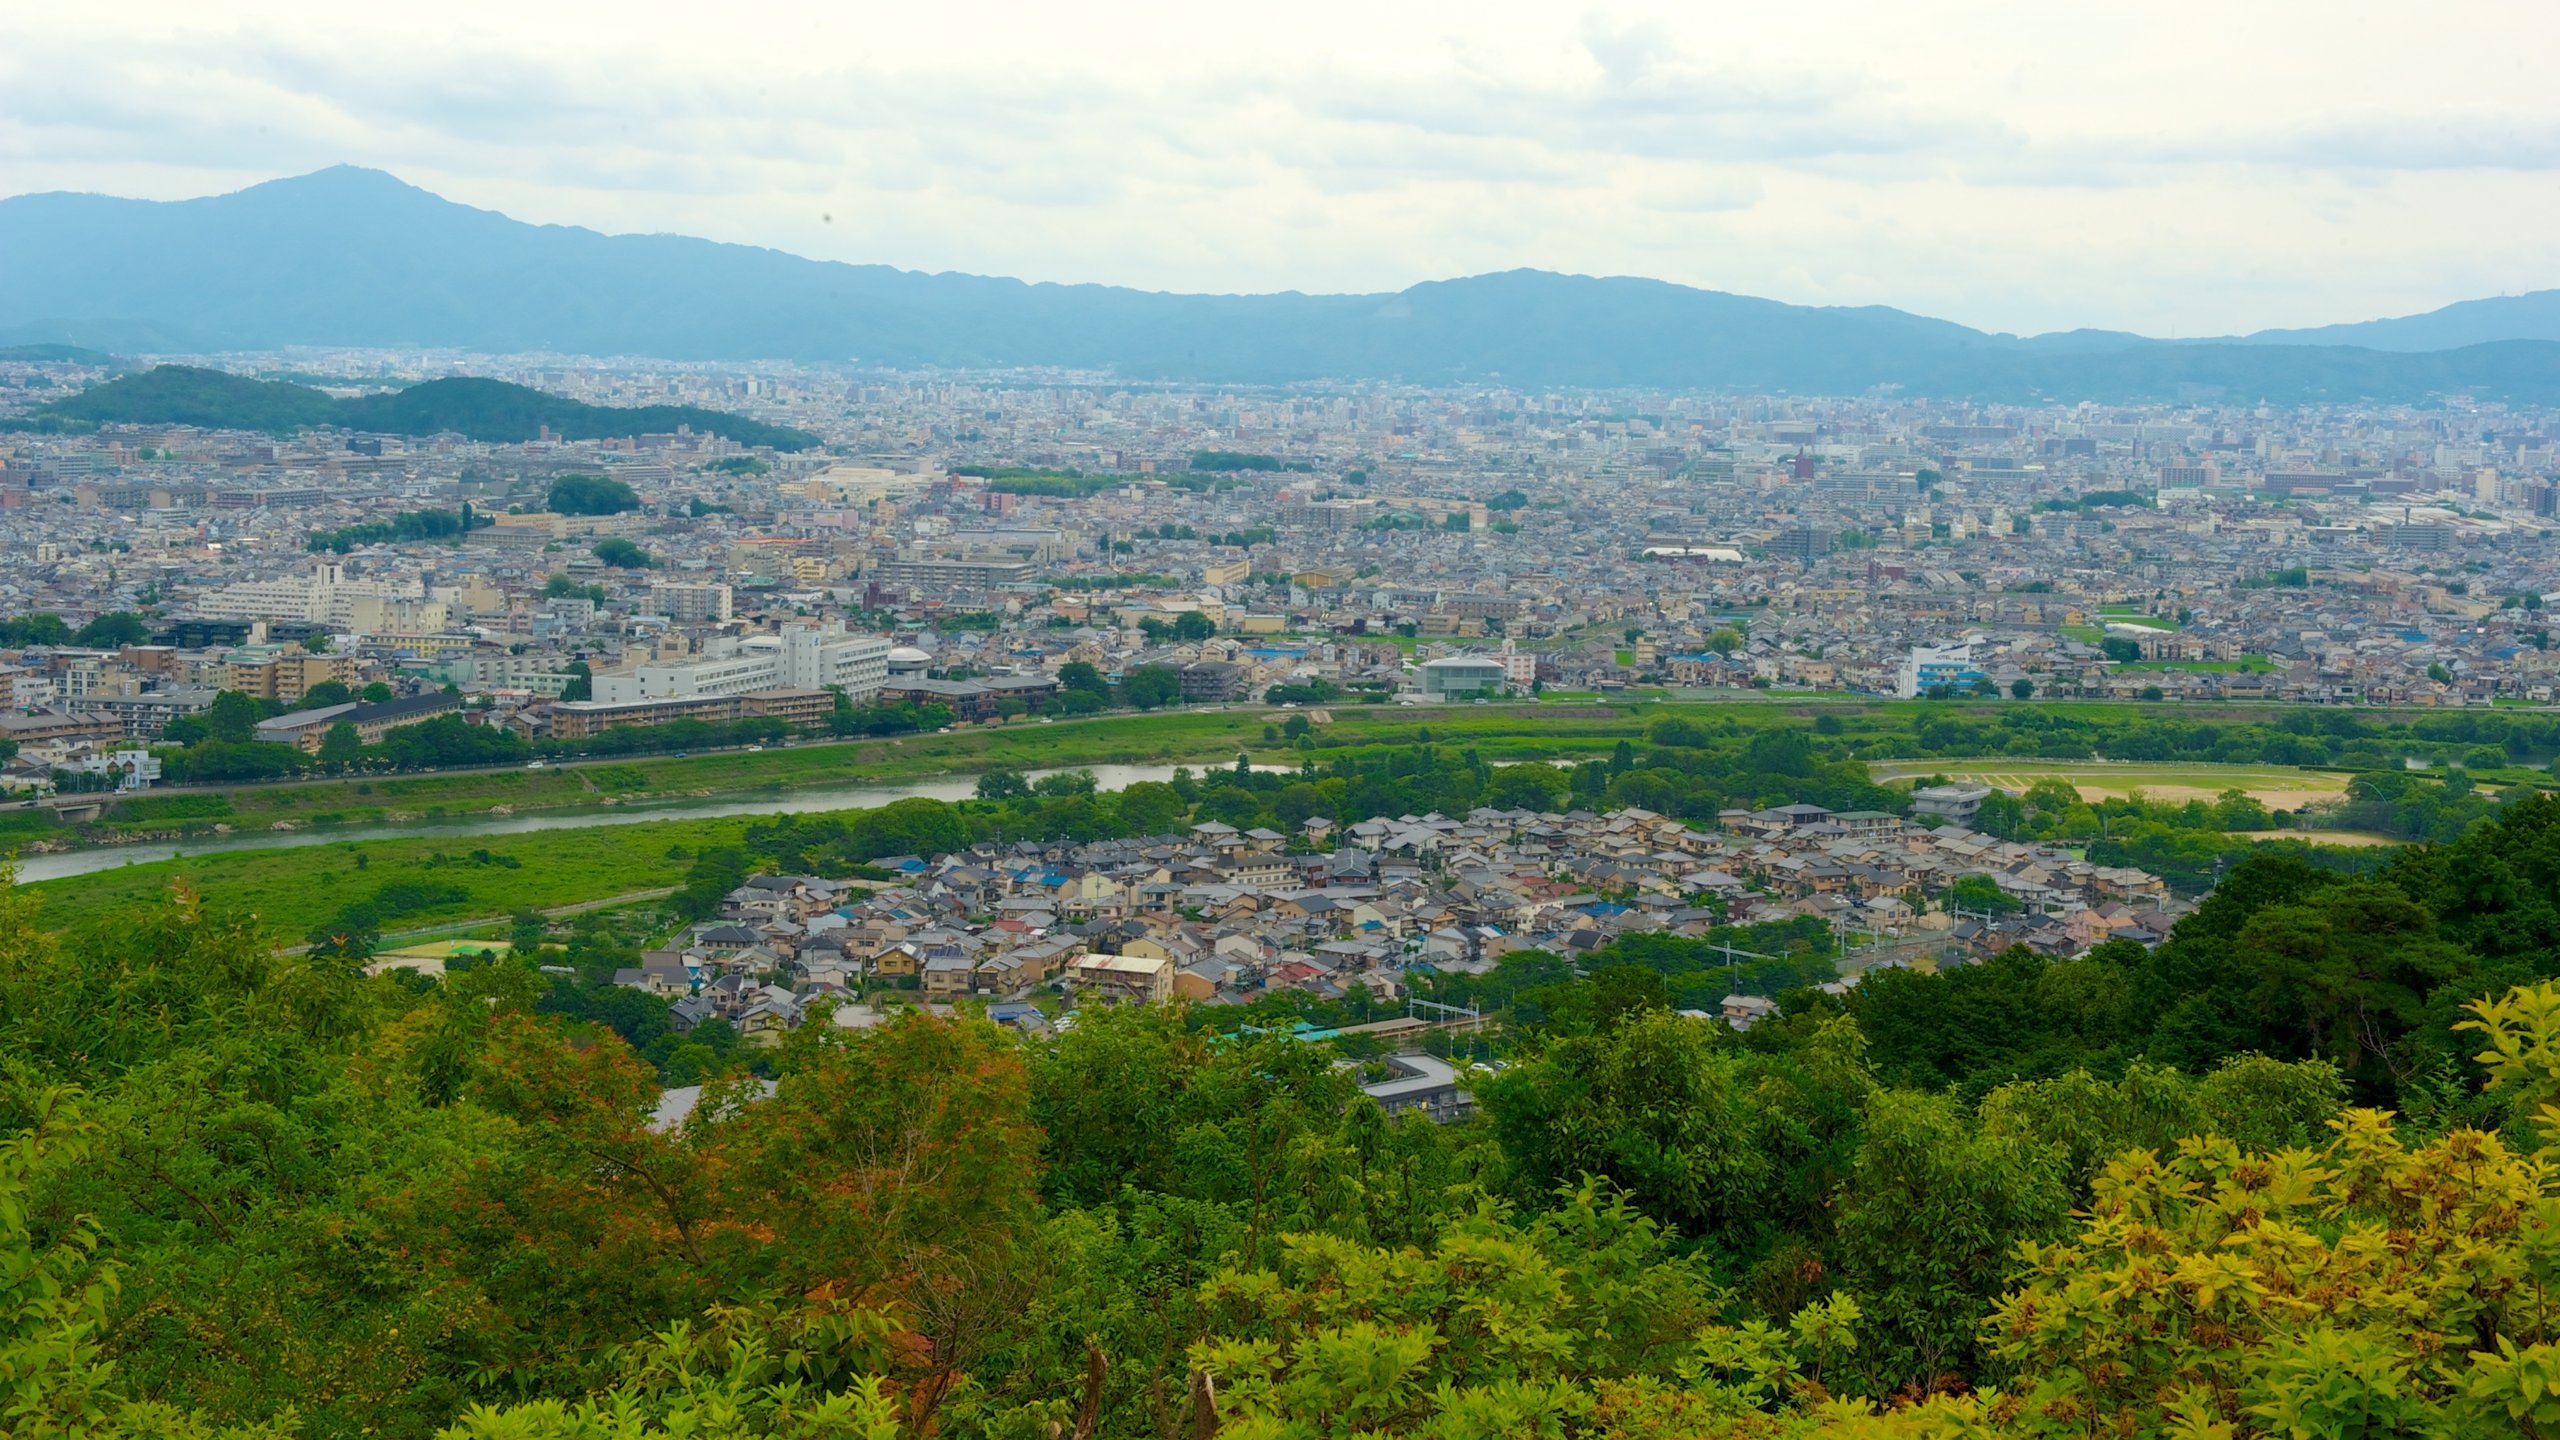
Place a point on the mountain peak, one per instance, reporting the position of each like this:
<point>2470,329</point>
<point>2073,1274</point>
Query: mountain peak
<point>337,184</point>
<point>349,176</point>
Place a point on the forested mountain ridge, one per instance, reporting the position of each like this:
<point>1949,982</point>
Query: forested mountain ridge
<point>347,256</point>
<point>2141,1192</point>
<point>2532,315</point>
<point>479,409</point>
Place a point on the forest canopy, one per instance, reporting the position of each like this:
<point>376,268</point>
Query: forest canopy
<point>2286,1174</point>
<point>481,409</point>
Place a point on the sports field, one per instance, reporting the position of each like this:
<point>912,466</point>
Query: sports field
<point>2278,787</point>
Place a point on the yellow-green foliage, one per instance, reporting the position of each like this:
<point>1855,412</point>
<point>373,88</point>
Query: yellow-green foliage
<point>252,1196</point>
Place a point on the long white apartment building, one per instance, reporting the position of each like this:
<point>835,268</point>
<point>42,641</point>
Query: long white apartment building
<point>327,596</point>
<point>817,656</point>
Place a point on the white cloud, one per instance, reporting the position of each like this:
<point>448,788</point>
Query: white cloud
<point>2157,166</point>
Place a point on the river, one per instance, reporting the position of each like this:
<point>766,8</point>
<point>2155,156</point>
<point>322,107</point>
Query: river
<point>781,802</point>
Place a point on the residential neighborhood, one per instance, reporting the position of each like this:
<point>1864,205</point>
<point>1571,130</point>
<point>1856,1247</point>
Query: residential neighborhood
<point>1382,911</point>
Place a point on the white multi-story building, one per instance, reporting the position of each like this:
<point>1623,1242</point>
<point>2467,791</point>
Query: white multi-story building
<point>1931,667</point>
<point>542,673</point>
<point>690,602</point>
<point>130,769</point>
<point>327,597</point>
<point>804,657</point>
<point>29,689</point>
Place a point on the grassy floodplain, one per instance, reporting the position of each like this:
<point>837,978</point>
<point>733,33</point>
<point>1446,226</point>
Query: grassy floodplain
<point>290,891</point>
<point>1171,737</point>
<point>1563,726</point>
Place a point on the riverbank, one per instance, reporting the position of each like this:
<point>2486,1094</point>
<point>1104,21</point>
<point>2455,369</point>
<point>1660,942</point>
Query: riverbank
<point>603,784</point>
<point>459,877</point>
<point>491,844</point>
<point>475,828</point>
<point>598,788</point>
<point>1558,727</point>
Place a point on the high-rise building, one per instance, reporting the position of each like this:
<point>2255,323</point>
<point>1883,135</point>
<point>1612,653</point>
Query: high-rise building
<point>1801,543</point>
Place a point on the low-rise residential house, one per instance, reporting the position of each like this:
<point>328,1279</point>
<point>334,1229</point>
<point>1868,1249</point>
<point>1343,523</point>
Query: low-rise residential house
<point>1121,979</point>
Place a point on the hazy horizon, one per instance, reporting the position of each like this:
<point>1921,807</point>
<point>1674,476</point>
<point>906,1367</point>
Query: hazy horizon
<point>2169,170</point>
<point>315,175</point>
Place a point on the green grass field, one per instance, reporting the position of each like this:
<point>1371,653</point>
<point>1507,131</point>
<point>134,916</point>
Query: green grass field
<point>1172,737</point>
<point>2132,615</point>
<point>291,891</point>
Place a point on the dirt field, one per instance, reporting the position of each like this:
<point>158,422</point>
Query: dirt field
<point>2324,837</point>
<point>2278,787</point>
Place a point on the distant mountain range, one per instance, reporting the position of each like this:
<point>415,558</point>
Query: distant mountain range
<point>490,410</point>
<point>356,257</point>
<point>2534,315</point>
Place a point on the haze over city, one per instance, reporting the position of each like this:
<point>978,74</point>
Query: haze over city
<point>2174,169</point>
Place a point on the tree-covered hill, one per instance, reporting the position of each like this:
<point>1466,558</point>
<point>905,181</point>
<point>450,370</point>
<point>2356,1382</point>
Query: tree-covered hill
<point>496,410</point>
<point>55,354</point>
<point>189,395</point>
<point>487,410</point>
<point>255,1195</point>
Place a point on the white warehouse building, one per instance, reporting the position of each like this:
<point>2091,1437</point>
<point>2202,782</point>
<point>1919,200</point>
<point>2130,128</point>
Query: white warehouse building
<point>1453,675</point>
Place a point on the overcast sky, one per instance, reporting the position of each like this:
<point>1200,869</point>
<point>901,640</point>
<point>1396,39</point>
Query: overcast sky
<point>2167,167</point>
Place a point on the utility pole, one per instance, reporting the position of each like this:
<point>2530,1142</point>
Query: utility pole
<point>1733,967</point>
<point>1451,1013</point>
<point>1841,930</point>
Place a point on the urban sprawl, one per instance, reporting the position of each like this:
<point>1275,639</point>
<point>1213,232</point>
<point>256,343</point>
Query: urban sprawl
<point>201,606</point>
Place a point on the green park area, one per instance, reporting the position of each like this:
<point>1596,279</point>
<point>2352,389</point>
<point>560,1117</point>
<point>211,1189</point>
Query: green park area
<point>413,883</point>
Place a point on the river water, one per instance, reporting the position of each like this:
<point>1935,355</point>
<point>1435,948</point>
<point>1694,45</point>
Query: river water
<point>780,802</point>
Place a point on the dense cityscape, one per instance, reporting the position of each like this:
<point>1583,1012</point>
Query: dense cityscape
<point>1425,545</point>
